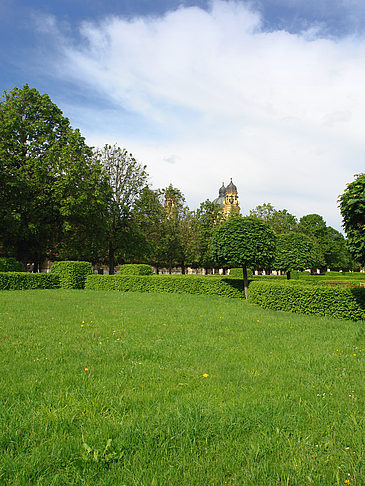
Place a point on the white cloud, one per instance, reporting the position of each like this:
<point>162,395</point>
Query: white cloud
<point>283,114</point>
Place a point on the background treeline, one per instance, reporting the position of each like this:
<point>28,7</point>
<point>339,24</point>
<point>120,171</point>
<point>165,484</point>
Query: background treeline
<point>62,200</point>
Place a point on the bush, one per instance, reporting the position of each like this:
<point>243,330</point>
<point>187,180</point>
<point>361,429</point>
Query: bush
<point>25,281</point>
<point>338,302</point>
<point>72,274</point>
<point>136,269</point>
<point>10,265</point>
<point>188,284</point>
<point>238,273</point>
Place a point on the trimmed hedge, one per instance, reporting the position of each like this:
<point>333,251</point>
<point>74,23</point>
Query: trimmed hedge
<point>9,264</point>
<point>338,302</point>
<point>238,273</point>
<point>188,284</point>
<point>25,281</point>
<point>72,275</point>
<point>136,269</point>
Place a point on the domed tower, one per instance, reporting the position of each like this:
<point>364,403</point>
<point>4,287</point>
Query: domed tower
<point>221,199</point>
<point>231,199</point>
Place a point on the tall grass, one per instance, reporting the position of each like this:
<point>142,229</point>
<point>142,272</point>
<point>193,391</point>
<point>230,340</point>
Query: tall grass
<point>106,388</point>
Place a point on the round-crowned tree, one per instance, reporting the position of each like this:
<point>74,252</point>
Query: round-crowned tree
<point>352,206</point>
<point>243,242</point>
<point>294,251</point>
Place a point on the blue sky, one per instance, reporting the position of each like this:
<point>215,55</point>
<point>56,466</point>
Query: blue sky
<point>270,93</point>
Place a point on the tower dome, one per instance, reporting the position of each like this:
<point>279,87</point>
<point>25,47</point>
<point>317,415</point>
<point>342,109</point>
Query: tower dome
<point>231,188</point>
<point>222,191</point>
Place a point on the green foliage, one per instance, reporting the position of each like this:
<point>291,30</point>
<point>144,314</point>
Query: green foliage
<point>25,281</point>
<point>338,302</point>
<point>9,264</point>
<point>243,242</point>
<point>188,284</point>
<point>127,180</point>
<point>135,269</point>
<point>206,219</point>
<point>352,206</point>
<point>280,221</point>
<point>72,275</point>
<point>294,251</point>
<point>237,273</point>
<point>47,179</point>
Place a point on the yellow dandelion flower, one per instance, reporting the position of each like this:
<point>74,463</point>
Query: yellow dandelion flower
<point>82,325</point>
<point>59,342</point>
<point>86,369</point>
<point>205,375</point>
<point>99,342</point>
<point>347,481</point>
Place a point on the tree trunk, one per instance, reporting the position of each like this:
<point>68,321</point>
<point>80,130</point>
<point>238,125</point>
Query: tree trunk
<point>183,269</point>
<point>111,259</point>
<point>223,271</point>
<point>245,281</point>
<point>288,275</point>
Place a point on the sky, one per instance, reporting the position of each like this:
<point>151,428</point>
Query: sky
<point>270,93</point>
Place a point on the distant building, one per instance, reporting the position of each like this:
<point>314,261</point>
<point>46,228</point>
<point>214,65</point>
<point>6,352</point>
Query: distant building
<point>228,198</point>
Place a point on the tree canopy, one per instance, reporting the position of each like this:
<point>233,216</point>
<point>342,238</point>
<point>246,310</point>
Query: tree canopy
<point>243,242</point>
<point>352,206</point>
<point>47,178</point>
<point>294,251</point>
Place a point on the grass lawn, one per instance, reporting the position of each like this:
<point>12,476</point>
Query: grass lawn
<point>106,388</point>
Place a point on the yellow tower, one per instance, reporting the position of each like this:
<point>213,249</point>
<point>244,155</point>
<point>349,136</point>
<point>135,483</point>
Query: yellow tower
<point>228,199</point>
<point>231,199</point>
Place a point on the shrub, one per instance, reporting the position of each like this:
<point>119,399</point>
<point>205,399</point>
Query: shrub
<point>136,269</point>
<point>9,264</point>
<point>238,273</point>
<point>72,274</point>
<point>189,284</point>
<point>25,281</point>
<point>339,302</point>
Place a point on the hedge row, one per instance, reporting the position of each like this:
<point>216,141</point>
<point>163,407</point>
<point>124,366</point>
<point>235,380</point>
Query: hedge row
<point>25,281</point>
<point>338,302</point>
<point>136,269</point>
<point>72,275</point>
<point>188,284</point>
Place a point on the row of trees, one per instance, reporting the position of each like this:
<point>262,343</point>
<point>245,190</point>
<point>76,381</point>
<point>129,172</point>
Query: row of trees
<point>60,199</point>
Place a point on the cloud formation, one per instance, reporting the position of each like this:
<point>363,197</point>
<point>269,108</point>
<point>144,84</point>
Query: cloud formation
<point>281,113</point>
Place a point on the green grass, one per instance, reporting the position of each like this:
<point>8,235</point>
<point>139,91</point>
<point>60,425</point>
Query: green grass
<point>106,388</point>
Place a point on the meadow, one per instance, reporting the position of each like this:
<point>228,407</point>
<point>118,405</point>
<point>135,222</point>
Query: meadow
<point>111,388</point>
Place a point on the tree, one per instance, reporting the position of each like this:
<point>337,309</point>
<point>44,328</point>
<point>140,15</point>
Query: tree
<point>243,242</point>
<point>45,167</point>
<point>280,221</point>
<point>352,207</point>
<point>206,219</point>
<point>294,251</point>
<point>175,246</point>
<point>334,249</point>
<point>127,180</point>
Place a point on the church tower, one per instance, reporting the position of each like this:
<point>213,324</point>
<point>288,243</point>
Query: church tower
<point>231,199</point>
<point>228,198</point>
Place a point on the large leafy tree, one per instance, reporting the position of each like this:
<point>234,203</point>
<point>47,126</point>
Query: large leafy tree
<point>352,206</point>
<point>127,180</point>
<point>294,251</point>
<point>46,178</point>
<point>244,242</point>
